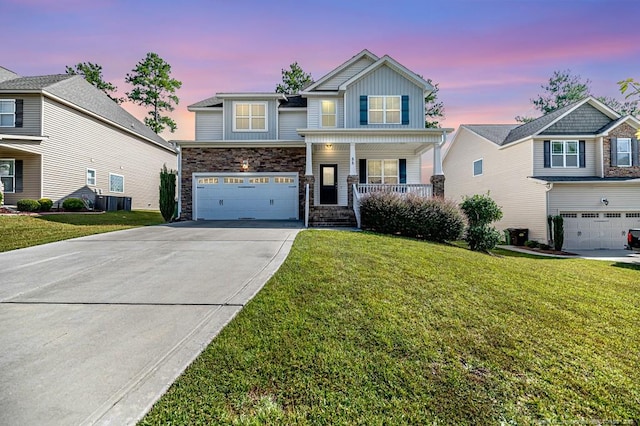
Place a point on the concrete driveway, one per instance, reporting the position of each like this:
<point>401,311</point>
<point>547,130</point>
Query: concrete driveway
<point>95,329</point>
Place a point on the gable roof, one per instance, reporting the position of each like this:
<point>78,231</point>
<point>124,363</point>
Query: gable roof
<point>209,102</point>
<point>396,66</point>
<point>76,91</point>
<point>6,74</point>
<point>363,54</point>
<point>495,133</point>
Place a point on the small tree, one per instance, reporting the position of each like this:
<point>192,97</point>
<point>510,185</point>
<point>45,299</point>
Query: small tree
<point>293,80</point>
<point>558,232</point>
<point>167,193</point>
<point>93,74</point>
<point>481,211</point>
<point>433,109</point>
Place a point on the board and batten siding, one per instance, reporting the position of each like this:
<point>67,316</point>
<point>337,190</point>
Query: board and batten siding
<point>540,170</point>
<point>77,142</point>
<point>384,81</point>
<point>339,155</point>
<point>289,122</point>
<point>31,164</point>
<point>209,125</point>
<point>587,197</point>
<point>505,177</point>
<point>31,116</point>
<point>270,134</point>
<point>313,111</point>
<point>334,82</point>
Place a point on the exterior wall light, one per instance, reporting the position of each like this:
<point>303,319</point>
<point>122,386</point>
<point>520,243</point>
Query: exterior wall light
<point>245,165</point>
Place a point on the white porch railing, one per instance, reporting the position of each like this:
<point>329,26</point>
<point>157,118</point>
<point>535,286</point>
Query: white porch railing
<point>401,188</point>
<point>356,204</point>
<point>306,205</point>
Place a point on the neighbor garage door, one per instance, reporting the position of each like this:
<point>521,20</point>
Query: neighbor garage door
<point>270,196</point>
<point>592,230</point>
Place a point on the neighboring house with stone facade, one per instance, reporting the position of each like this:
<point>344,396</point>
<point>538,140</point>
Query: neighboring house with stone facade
<point>61,137</point>
<point>358,129</point>
<point>580,162</point>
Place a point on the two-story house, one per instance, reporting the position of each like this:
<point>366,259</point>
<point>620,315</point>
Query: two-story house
<point>61,137</point>
<point>359,128</point>
<point>580,162</point>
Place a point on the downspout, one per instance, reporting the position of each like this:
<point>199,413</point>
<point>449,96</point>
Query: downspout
<point>549,187</point>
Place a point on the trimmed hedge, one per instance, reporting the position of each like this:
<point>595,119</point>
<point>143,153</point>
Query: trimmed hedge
<point>432,219</point>
<point>45,204</point>
<point>73,204</point>
<point>28,205</point>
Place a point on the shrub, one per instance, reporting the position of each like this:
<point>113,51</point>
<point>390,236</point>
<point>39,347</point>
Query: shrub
<point>45,204</point>
<point>545,246</point>
<point>558,232</point>
<point>167,193</point>
<point>73,204</point>
<point>1,197</point>
<point>28,205</point>
<point>409,215</point>
<point>481,210</point>
<point>531,244</point>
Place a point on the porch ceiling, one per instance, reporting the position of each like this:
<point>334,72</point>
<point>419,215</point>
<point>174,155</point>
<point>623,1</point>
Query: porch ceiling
<point>370,147</point>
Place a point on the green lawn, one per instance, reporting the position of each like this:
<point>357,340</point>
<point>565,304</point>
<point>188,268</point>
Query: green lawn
<point>357,328</point>
<point>26,231</point>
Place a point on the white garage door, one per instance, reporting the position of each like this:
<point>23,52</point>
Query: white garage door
<point>232,196</point>
<point>593,230</point>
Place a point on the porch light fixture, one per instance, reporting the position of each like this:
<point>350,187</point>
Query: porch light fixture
<point>604,201</point>
<point>245,165</point>
<point>328,146</point>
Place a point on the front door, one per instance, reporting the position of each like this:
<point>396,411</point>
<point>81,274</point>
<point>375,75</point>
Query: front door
<point>328,184</point>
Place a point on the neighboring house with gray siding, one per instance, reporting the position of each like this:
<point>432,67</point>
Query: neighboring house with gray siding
<point>359,128</point>
<point>580,162</point>
<point>61,137</point>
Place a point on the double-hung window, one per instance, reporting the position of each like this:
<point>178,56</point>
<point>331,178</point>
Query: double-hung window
<point>250,117</point>
<point>565,154</point>
<point>116,183</point>
<point>328,113</point>
<point>7,113</point>
<point>382,171</point>
<point>384,109</point>
<point>8,174</point>
<point>91,177</point>
<point>623,153</point>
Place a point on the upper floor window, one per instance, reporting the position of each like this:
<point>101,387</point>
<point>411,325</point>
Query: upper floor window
<point>623,153</point>
<point>8,174</point>
<point>477,167</point>
<point>384,109</point>
<point>382,171</point>
<point>7,113</point>
<point>565,154</point>
<point>328,113</point>
<point>250,116</point>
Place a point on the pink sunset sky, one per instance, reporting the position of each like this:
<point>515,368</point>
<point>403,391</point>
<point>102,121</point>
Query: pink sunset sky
<point>488,56</point>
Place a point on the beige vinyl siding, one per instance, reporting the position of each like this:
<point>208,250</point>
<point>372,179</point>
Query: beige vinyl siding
<point>540,170</point>
<point>77,142</point>
<point>344,75</point>
<point>505,176</point>
<point>31,164</point>
<point>31,116</point>
<point>313,112</point>
<point>289,122</point>
<point>587,197</point>
<point>208,125</point>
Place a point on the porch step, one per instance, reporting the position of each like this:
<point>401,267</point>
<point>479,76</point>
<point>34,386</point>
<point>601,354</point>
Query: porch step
<point>340,216</point>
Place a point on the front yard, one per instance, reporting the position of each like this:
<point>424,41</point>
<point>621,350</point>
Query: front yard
<point>357,328</point>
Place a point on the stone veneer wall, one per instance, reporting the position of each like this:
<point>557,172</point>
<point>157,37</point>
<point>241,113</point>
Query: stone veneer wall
<point>229,160</point>
<point>622,131</point>
<point>437,183</point>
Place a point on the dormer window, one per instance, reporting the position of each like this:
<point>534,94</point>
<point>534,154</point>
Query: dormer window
<point>384,110</point>
<point>7,113</point>
<point>328,113</point>
<point>250,117</point>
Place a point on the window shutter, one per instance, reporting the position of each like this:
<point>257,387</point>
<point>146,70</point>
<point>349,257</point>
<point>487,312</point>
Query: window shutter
<point>363,170</point>
<point>364,109</point>
<point>581,149</point>
<point>19,114</point>
<point>614,152</point>
<point>405,109</point>
<point>403,170</point>
<point>18,176</point>
<point>547,154</point>
<point>635,161</point>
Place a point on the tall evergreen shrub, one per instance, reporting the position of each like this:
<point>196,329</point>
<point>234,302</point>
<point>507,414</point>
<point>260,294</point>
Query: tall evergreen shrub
<point>167,193</point>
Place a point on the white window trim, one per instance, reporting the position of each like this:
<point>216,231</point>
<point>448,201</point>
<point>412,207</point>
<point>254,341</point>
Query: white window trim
<point>266,117</point>
<point>564,154</point>
<point>13,176</point>
<point>334,115</point>
<point>384,109</point>
<point>116,192</point>
<point>624,152</point>
<point>95,177</point>
<point>473,170</point>
<point>6,113</point>
<point>382,175</point>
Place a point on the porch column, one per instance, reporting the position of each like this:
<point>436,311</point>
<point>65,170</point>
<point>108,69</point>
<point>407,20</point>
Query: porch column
<point>437,179</point>
<point>309,165</point>
<point>437,159</point>
<point>352,159</point>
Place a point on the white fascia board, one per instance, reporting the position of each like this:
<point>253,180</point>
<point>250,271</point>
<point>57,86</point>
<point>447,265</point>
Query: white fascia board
<point>381,131</point>
<point>519,141</point>
<point>24,138</point>
<point>321,93</point>
<point>364,53</point>
<point>398,67</point>
<point>249,96</point>
<point>241,144</point>
<point>595,181</point>
<point>635,124</point>
<point>195,109</point>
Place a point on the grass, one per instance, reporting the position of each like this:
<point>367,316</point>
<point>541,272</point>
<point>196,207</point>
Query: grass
<point>357,328</point>
<point>26,231</point>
